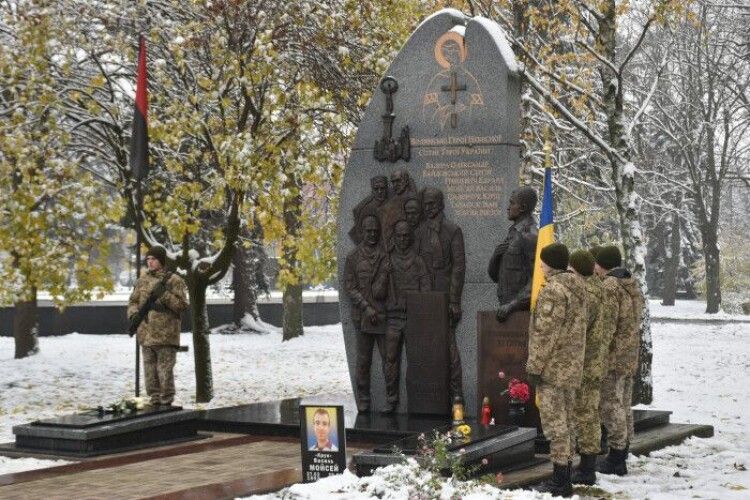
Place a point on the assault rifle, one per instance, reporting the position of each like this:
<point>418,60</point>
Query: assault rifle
<point>142,313</point>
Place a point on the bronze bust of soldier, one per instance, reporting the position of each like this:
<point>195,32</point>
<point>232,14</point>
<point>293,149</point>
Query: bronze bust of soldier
<point>512,263</point>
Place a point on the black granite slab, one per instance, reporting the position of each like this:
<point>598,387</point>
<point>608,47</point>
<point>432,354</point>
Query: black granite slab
<point>84,435</point>
<point>411,444</point>
<point>643,420</point>
<point>648,419</point>
<point>93,418</point>
<point>281,418</point>
<point>502,447</point>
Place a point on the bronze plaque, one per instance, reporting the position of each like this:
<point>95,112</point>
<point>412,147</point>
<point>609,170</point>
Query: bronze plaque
<point>427,365</point>
<point>503,347</point>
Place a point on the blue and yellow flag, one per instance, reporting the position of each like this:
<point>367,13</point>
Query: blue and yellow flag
<point>546,236</point>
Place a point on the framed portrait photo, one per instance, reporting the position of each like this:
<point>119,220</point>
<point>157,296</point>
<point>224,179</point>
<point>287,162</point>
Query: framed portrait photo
<point>323,440</point>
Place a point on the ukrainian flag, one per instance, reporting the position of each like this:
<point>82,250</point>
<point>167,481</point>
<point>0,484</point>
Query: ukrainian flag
<point>546,236</point>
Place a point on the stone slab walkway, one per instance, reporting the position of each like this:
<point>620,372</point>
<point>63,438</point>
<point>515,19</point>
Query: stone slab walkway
<point>225,467</point>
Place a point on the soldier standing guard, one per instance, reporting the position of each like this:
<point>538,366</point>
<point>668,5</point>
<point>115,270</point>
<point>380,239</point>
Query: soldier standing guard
<point>365,280</point>
<point>557,337</point>
<point>441,246</point>
<point>598,336</point>
<point>159,332</point>
<point>406,272</point>
<point>512,263</point>
<point>617,387</point>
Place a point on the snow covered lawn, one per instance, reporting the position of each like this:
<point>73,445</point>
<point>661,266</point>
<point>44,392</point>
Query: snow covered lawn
<point>701,373</point>
<point>77,371</point>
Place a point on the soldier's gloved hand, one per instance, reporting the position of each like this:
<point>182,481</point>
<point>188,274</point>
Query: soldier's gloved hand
<point>534,379</point>
<point>372,314</point>
<point>159,289</point>
<point>504,311</point>
<point>454,311</point>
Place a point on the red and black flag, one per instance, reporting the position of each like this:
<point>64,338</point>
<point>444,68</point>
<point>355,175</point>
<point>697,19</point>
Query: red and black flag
<point>139,139</point>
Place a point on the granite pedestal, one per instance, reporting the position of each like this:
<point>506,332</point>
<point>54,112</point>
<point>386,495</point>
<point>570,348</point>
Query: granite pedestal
<point>503,446</point>
<point>89,434</point>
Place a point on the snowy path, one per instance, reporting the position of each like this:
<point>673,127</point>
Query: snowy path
<point>701,373</point>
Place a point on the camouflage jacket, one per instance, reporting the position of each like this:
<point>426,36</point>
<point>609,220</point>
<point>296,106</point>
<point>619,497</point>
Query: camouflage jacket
<point>557,333</point>
<point>162,325</point>
<point>601,313</point>
<point>626,340</point>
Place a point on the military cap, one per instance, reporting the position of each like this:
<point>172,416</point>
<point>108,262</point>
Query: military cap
<point>555,256</point>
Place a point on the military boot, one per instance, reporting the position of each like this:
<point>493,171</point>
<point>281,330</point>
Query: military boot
<point>586,471</point>
<point>559,484</point>
<point>614,463</point>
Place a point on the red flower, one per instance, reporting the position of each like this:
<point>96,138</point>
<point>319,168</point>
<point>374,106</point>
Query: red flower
<point>518,390</point>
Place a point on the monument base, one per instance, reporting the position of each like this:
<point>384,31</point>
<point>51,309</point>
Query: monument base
<point>88,434</point>
<point>503,347</point>
<point>503,448</point>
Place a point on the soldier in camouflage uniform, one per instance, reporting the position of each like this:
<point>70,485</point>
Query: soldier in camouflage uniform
<point>599,330</point>
<point>617,386</point>
<point>557,338</point>
<point>159,333</point>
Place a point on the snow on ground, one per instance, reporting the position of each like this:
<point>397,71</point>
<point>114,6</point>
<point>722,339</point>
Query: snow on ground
<point>700,373</point>
<point>77,371</point>
<point>690,310</point>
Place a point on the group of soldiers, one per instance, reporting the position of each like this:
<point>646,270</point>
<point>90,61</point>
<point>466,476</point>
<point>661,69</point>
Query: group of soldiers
<point>584,341</point>
<point>404,244</point>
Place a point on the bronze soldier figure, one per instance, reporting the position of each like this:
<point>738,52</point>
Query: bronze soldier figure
<point>406,272</point>
<point>393,209</point>
<point>441,246</point>
<point>512,264</point>
<point>365,280</point>
<point>369,206</point>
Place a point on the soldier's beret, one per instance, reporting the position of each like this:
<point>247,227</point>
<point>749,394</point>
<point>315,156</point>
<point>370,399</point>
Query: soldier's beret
<point>583,262</point>
<point>594,251</point>
<point>555,256</point>
<point>609,257</point>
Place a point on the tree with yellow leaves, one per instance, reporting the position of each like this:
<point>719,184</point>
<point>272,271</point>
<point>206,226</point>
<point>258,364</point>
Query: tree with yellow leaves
<point>53,213</point>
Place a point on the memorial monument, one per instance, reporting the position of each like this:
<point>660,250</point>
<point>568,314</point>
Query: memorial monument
<point>443,127</point>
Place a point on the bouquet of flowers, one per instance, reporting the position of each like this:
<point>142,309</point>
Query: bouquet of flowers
<point>125,405</point>
<point>517,390</point>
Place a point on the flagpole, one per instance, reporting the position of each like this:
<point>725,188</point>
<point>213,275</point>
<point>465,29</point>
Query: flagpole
<point>138,206</point>
<point>139,165</point>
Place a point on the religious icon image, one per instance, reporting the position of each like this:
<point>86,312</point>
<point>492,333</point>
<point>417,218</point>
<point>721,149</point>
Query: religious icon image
<point>453,93</point>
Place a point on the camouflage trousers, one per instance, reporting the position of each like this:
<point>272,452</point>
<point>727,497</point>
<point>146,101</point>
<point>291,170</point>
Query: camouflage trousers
<point>158,368</point>
<point>616,415</point>
<point>556,406</point>
<point>588,422</point>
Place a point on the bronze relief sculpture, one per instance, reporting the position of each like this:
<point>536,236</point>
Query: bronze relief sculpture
<point>512,263</point>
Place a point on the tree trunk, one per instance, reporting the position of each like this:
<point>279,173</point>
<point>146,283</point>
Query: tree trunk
<point>204,386</point>
<point>248,274</point>
<point>245,294</point>
<point>713,279</point>
<point>672,264</point>
<point>292,298</point>
<point>626,199</point>
<point>25,326</point>
<point>292,303</point>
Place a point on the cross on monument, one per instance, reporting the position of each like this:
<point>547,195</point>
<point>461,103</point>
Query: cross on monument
<point>453,88</point>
